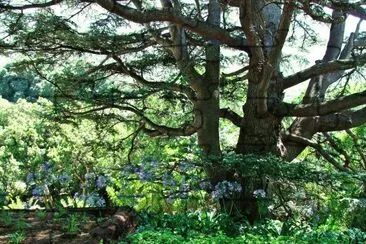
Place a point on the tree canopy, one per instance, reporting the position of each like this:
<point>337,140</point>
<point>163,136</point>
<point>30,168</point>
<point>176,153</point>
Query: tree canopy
<point>174,68</point>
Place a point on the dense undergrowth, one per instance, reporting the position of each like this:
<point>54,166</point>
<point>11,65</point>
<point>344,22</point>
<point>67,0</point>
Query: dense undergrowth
<point>220,228</point>
<point>45,164</point>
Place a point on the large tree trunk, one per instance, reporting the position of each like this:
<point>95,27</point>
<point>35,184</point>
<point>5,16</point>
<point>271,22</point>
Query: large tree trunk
<point>207,105</point>
<point>259,130</point>
<point>259,134</point>
<point>207,109</point>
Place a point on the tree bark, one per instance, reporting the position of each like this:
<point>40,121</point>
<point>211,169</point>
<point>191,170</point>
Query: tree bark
<point>259,129</point>
<point>207,103</point>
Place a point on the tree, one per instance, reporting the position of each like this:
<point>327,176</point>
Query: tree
<point>175,54</point>
<point>17,87</point>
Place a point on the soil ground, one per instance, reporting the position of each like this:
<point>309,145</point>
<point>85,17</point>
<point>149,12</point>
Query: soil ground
<point>42,226</point>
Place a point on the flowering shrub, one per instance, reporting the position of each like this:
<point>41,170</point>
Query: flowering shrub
<point>226,189</point>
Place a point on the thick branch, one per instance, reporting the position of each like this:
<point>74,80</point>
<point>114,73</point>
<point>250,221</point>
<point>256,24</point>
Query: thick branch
<point>168,14</point>
<point>282,32</point>
<point>340,121</point>
<point>322,68</point>
<point>237,72</point>
<point>354,8</point>
<point>322,108</point>
<point>235,118</point>
<point>251,23</point>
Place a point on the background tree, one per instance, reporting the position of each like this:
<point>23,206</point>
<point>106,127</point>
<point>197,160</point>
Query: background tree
<point>18,87</point>
<point>137,54</point>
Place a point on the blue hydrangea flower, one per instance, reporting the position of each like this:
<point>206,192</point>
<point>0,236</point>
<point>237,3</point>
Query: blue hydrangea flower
<point>153,165</point>
<point>205,185</point>
<point>184,187</point>
<point>225,189</point>
<point>259,193</point>
<point>101,181</point>
<point>94,200</point>
<point>128,169</point>
<point>89,177</point>
<point>100,202</point>
<point>184,166</point>
<point>39,191</point>
<point>170,199</point>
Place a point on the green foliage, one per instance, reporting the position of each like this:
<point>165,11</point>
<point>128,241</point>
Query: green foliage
<point>185,223</point>
<point>16,237</point>
<point>72,225</point>
<point>151,236</point>
<point>208,227</point>
<point>6,218</point>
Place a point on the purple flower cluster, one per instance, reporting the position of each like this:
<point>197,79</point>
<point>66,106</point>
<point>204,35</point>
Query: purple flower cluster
<point>89,177</point>
<point>226,189</point>
<point>31,178</point>
<point>147,170</point>
<point>153,165</point>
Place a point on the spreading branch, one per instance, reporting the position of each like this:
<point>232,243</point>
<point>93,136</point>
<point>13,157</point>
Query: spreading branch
<point>358,147</point>
<point>157,129</point>
<point>322,108</point>
<point>318,148</point>
<point>321,69</point>
<point>169,15</point>
<point>152,84</point>
<point>340,121</point>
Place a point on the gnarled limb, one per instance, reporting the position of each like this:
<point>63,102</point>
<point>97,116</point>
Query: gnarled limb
<point>235,118</point>
<point>340,121</point>
<point>306,127</point>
